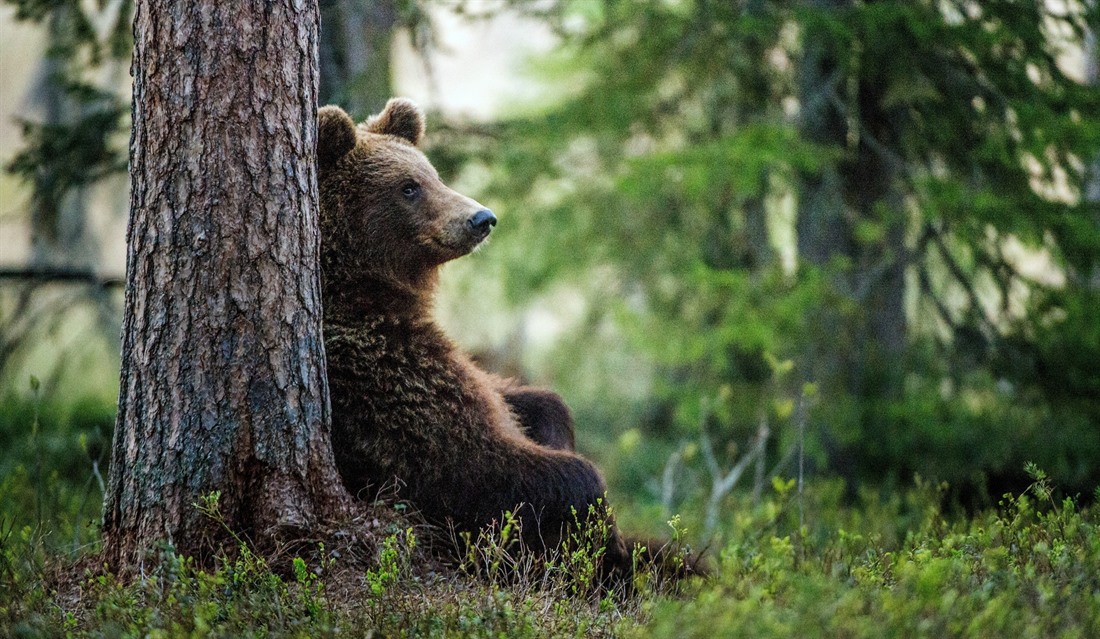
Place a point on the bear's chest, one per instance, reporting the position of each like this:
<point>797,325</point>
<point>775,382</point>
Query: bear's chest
<point>394,380</point>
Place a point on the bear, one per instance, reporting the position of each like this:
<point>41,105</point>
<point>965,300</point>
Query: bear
<point>410,410</point>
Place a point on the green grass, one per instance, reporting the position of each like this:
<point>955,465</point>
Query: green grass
<point>890,564</point>
<point>886,567</point>
<point>1029,568</point>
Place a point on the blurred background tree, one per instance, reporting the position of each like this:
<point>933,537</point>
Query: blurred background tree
<point>59,313</point>
<point>72,140</point>
<point>864,221</point>
<point>75,142</point>
<point>356,49</point>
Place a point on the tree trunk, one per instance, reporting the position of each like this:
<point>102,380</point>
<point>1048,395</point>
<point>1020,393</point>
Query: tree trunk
<point>223,384</point>
<point>860,351</point>
<point>873,184</point>
<point>756,101</point>
<point>851,222</point>
<point>1092,186</point>
<point>822,228</point>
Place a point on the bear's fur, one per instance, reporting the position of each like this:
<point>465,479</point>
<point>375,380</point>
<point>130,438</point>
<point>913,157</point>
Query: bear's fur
<point>409,409</point>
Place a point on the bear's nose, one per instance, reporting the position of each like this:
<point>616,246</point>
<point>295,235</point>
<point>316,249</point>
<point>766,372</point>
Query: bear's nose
<point>481,222</point>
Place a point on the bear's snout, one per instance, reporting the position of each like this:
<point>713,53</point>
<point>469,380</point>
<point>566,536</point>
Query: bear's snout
<point>480,223</point>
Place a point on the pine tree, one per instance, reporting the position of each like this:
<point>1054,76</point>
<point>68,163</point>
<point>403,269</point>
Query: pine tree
<point>223,388</point>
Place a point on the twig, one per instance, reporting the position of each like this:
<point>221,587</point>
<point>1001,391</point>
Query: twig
<point>800,417</point>
<point>758,474</point>
<point>721,484</point>
<point>782,463</point>
<point>941,308</point>
<point>668,479</point>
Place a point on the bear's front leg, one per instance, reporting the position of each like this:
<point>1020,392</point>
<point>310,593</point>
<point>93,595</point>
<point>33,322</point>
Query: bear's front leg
<point>544,417</point>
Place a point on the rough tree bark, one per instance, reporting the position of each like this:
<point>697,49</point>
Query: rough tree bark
<point>223,384</point>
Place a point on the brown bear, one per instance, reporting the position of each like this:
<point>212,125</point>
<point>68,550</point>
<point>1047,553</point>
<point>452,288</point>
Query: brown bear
<point>409,409</point>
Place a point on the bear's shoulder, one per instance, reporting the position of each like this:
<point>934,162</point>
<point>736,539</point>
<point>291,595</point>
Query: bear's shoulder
<point>388,342</point>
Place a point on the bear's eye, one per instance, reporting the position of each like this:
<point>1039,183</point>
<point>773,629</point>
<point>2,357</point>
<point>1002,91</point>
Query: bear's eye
<point>411,191</point>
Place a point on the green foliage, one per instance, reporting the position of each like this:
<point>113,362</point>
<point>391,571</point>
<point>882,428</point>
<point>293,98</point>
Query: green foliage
<point>53,460</point>
<point>891,565</point>
<point>241,598</point>
<point>799,561</point>
<point>1024,569</point>
<point>75,26</point>
<point>860,188</point>
<point>393,562</point>
<point>59,158</point>
<point>402,592</point>
<point>77,143</point>
<point>725,187</point>
<point>572,570</point>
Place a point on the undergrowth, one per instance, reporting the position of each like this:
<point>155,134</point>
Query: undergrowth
<point>901,568</point>
<point>813,564</point>
<point>897,566</point>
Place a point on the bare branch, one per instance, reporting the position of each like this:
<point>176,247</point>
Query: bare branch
<point>964,281</point>
<point>668,479</point>
<point>722,485</point>
<point>80,276</point>
<point>941,308</point>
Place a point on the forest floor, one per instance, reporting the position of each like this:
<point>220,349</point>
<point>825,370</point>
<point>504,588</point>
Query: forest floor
<point>791,566</point>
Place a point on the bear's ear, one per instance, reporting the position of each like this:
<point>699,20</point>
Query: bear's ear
<point>335,135</point>
<point>402,118</point>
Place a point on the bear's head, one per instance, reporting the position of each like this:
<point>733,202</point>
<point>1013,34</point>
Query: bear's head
<point>387,220</point>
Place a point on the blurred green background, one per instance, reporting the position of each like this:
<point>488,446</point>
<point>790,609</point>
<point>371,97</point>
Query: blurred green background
<point>747,241</point>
